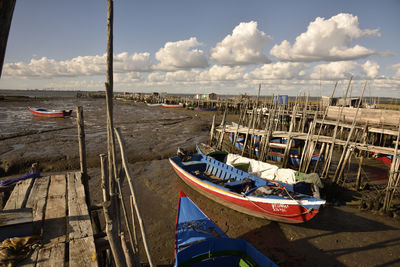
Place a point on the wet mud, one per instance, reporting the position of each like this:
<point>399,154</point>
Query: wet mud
<point>337,236</point>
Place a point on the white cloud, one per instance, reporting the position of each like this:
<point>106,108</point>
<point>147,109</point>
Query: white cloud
<point>279,70</point>
<point>156,77</point>
<point>222,73</point>
<point>345,69</point>
<point>139,62</point>
<point>327,40</point>
<point>182,76</point>
<point>244,47</point>
<point>397,68</point>
<point>78,66</point>
<point>180,55</point>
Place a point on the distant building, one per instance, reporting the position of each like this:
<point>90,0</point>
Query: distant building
<point>328,101</point>
<point>211,96</point>
<point>349,102</point>
<point>281,99</point>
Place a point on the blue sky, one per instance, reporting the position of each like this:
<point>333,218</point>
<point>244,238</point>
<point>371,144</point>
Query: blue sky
<point>226,47</point>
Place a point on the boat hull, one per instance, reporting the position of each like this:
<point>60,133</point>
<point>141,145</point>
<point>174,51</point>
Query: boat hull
<point>51,114</point>
<point>275,210</point>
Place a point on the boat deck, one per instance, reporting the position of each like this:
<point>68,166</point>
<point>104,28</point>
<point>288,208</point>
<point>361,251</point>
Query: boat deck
<point>54,208</point>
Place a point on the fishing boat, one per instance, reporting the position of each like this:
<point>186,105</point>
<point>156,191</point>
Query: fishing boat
<point>180,105</point>
<point>153,105</point>
<point>205,109</point>
<point>199,242</point>
<point>244,192</point>
<point>305,183</point>
<point>54,113</point>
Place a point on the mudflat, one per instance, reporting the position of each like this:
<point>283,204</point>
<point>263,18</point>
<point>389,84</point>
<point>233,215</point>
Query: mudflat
<point>337,236</point>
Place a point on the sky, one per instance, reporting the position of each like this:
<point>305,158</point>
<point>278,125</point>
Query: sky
<point>226,47</point>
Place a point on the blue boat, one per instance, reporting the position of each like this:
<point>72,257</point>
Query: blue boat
<point>199,242</point>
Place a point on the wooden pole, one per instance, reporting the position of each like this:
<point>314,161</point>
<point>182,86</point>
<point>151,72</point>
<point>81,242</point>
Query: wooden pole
<point>6,14</point>
<point>210,141</point>
<point>133,194</point>
<point>82,152</point>
<point>340,168</point>
<point>111,229</point>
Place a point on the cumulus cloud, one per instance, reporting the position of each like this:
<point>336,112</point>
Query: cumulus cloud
<point>243,47</point>
<point>327,40</point>
<point>279,70</point>
<point>181,55</point>
<point>397,68</point>
<point>345,69</point>
<point>222,73</point>
<point>78,66</point>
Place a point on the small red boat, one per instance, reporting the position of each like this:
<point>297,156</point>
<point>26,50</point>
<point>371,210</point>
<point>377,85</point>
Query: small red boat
<point>53,113</point>
<point>180,105</point>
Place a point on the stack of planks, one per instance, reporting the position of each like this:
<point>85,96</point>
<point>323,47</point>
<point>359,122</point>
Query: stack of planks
<point>59,214</point>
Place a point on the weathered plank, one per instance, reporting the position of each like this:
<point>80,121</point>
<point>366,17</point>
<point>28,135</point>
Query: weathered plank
<point>13,217</point>
<point>37,201</point>
<point>19,195</point>
<point>53,255</point>
<point>55,214</point>
<point>82,252</point>
<point>31,260</point>
<point>78,216</point>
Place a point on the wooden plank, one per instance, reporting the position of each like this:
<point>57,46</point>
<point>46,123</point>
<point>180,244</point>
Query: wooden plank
<point>79,224</point>
<point>37,201</point>
<point>13,217</point>
<point>19,195</point>
<point>31,260</point>
<point>53,255</point>
<point>82,252</point>
<point>55,214</point>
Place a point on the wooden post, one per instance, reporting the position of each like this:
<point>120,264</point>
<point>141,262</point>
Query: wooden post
<point>212,131</point>
<point>82,152</point>
<point>104,175</point>
<point>341,162</point>
<point>133,194</point>
<point>290,139</point>
<point>6,14</point>
<point>111,229</point>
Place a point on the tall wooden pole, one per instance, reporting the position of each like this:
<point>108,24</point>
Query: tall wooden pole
<point>6,14</point>
<point>110,207</point>
<point>82,152</point>
<point>133,194</point>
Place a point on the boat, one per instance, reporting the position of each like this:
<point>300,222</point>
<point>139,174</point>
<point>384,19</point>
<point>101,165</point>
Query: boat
<point>54,113</point>
<point>153,105</point>
<point>180,105</point>
<point>245,192</point>
<point>200,242</point>
<point>205,109</point>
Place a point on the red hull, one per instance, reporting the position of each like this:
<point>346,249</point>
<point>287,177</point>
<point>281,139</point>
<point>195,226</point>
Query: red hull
<point>58,114</point>
<point>288,213</point>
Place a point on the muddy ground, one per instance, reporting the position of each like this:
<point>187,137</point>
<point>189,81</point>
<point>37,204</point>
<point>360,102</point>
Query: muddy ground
<point>337,236</point>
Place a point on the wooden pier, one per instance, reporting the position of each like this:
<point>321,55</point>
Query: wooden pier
<point>54,208</point>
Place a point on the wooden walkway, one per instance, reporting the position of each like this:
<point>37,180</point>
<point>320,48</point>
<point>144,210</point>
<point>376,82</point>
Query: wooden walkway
<point>59,214</point>
<point>303,136</point>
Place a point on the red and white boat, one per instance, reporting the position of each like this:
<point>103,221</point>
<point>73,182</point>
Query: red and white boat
<point>245,192</point>
<point>53,113</point>
<point>180,105</point>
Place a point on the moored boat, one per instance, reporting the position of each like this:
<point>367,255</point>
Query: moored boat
<point>54,113</point>
<point>199,242</point>
<point>245,192</point>
<point>153,105</point>
<point>180,105</point>
<point>205,109</point>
